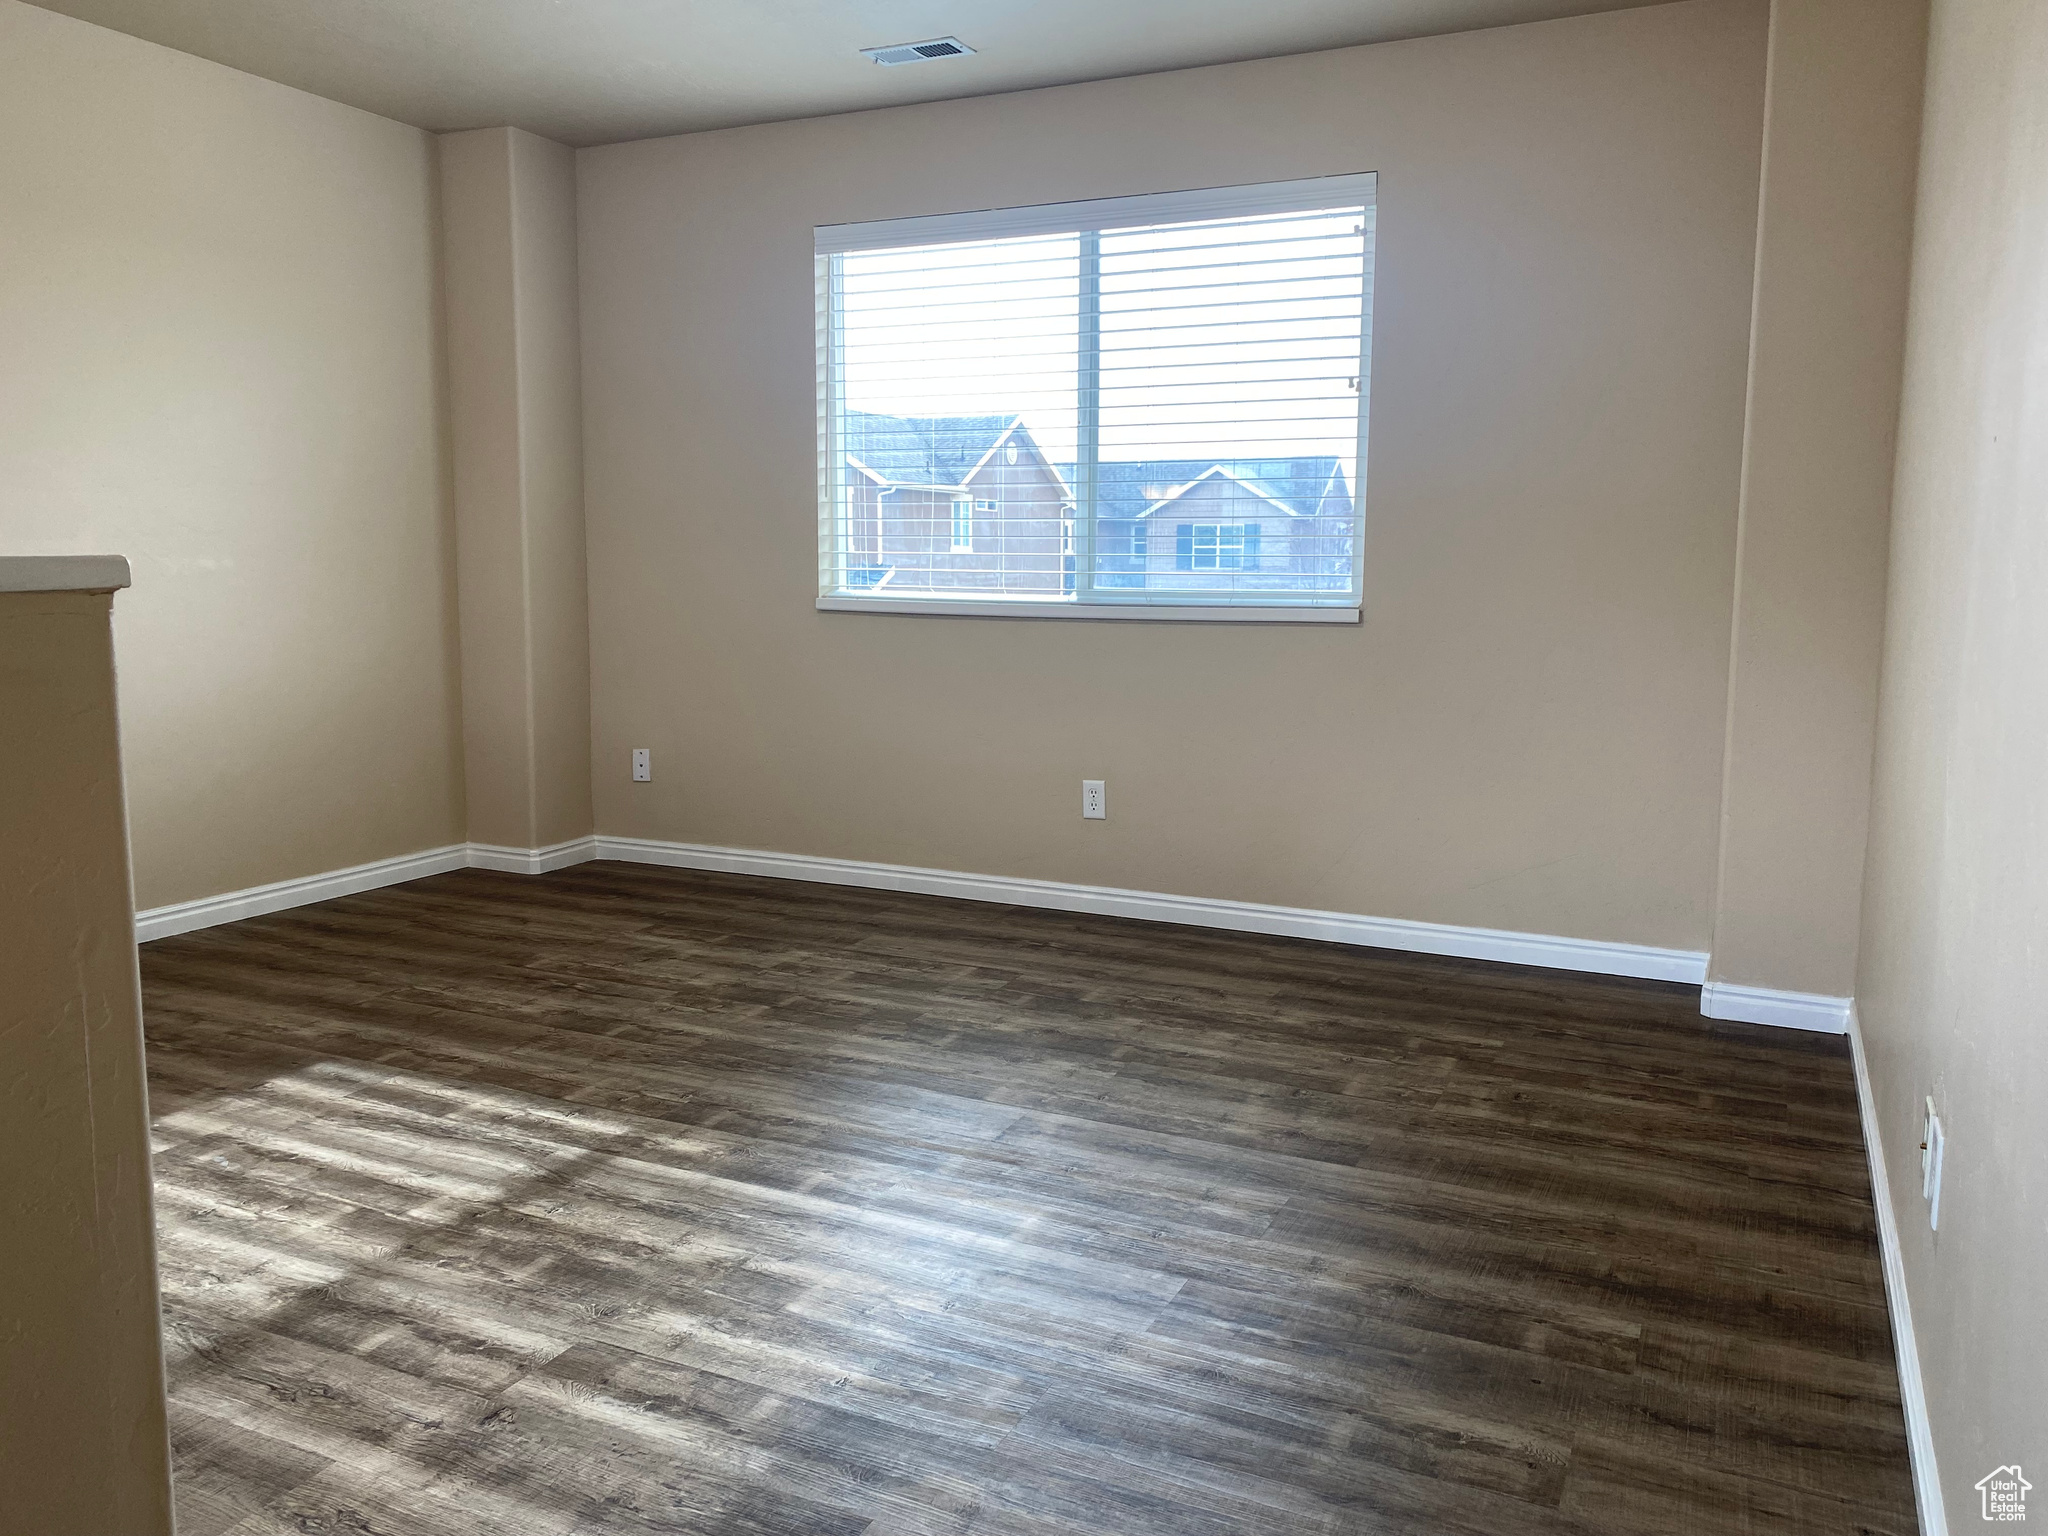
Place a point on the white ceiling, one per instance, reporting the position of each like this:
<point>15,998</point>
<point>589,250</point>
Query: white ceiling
<point>598,71</point>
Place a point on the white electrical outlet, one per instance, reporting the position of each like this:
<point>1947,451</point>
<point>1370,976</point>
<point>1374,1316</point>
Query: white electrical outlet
<point>643,764</point>
<point>1932,1144</point>
<point>1094,800</point>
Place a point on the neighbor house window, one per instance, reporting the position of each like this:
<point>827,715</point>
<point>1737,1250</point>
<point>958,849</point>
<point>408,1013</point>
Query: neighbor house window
<point>1198,360</point>
<point>1217,547</point>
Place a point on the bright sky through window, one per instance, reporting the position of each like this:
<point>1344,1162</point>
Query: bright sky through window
<point>1191,315</point>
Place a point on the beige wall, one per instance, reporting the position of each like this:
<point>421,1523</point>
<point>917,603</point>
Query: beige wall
<point>1841,142</point>
<point>82,1437</point>
<point>1526,731</point>
<point>1954,968</point>
<point>219,331</point>
<point>509,250</point>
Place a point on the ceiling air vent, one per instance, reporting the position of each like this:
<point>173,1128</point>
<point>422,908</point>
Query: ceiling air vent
<point>913,53</point>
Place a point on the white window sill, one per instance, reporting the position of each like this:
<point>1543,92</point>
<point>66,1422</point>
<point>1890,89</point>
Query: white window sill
<point>1200,613</point>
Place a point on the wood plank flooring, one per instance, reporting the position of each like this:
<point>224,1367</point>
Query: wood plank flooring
<point>626,1200</point>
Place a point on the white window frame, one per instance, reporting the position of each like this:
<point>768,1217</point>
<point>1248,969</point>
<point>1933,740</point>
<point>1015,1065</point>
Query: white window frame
<point>1082,217</point>
<point>963,524</point>
<point>1220,546</point>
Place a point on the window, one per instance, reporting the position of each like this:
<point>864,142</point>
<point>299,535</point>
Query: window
<point>1217,547</point>
<point>1195,360</point>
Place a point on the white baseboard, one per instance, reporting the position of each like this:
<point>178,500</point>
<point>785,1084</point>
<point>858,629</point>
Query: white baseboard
<point>1913,1392</point>
<point>532,861</point>
<point>210,911</point>
<point>1595,955</point>
<point>1788,1010</point>
<point>1598,956</point>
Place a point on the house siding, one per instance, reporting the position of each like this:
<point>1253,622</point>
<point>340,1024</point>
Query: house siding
<point>901,537</point>
<point>1296,552</point>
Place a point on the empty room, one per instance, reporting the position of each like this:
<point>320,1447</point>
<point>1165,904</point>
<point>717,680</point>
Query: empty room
<point>978,768</point>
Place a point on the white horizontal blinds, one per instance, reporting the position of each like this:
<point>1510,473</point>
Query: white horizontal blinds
<point>1230,407</point>
<point>1137,410</point>
<point>957,367</point>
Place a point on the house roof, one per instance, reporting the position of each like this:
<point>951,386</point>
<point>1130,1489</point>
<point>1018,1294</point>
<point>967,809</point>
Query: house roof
<point>923,450</point>
<point>1218,472</point>
<point>1303,486</point>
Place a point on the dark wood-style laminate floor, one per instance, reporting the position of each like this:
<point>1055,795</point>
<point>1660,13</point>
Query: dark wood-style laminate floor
<point>628,1200</point>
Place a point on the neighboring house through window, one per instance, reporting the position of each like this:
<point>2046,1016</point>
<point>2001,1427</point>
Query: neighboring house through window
<point>933,504</point>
